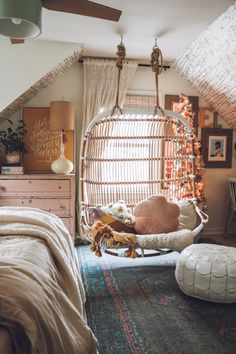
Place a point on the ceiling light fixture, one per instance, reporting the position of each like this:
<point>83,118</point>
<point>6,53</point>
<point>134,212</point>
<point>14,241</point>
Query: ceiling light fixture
<point>16,21</point>
<point>20,19</point>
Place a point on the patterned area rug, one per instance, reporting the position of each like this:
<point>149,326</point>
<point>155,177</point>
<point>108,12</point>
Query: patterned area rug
<point>136,307</point>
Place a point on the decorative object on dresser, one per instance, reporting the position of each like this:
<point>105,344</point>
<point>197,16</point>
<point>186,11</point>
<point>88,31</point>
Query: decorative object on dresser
<point>14,170</point>
<point>62,117</point>
<point>42,144</point>
<point>49,192</point>
<point>12,142</point>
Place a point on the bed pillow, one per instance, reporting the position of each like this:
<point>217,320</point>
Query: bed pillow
<point>97,214</point>
<point>120,211</point>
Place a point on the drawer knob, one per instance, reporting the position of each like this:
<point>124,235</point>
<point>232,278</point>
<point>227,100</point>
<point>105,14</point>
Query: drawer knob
<point>61,206</point>
<point>3,189</point>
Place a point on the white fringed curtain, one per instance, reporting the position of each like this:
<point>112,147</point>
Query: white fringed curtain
<point>100,84</point>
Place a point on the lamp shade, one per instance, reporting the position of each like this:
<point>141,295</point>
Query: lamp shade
<point>20,19</point>
<point>62,115</point>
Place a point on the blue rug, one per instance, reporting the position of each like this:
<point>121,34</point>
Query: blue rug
<point>136,307</point>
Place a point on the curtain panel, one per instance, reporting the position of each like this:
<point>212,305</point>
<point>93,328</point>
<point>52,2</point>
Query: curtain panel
<point>100,85</point>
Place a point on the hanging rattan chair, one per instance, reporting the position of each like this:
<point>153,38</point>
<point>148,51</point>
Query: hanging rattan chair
<point>134,153</point>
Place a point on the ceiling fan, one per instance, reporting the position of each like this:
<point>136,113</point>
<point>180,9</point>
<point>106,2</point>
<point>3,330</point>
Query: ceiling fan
<point>21,20</point>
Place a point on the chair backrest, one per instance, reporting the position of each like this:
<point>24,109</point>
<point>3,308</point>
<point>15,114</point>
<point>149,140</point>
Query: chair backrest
<point>136,154</point>
<point>232,192</point>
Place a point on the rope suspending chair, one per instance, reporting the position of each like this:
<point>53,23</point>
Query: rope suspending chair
<point>131,154</point>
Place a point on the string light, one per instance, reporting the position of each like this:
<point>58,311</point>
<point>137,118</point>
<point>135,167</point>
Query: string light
<point>186,191</point>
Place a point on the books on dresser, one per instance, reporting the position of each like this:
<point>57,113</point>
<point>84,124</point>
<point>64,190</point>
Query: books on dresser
<point>14,170</point>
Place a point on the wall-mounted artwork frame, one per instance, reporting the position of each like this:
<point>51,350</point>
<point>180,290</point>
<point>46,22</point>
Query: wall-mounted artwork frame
<point>172,100</point>
<point>208,118</point>
<point>42,144</point>
<point>205,117</point>
<point>217,147</point>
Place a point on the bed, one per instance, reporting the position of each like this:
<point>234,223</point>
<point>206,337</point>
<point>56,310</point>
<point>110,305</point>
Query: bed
<point>41,293</point>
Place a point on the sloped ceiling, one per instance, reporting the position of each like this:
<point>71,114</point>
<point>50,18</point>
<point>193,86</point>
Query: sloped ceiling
<point>209,64</point>
<point>44,82</point>
<point>26,69</point>
<point>175,23</point>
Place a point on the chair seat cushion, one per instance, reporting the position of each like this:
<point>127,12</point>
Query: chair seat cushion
<point>208,272</point>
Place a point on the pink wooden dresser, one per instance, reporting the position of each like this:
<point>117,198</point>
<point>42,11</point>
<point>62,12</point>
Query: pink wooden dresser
<point>50,192</point>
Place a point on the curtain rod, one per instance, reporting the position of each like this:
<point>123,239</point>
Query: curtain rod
<point>139,64</point>
<point>159,66</point>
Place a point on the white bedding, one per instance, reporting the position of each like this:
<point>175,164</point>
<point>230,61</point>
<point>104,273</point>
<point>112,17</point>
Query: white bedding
<point>40,283</point>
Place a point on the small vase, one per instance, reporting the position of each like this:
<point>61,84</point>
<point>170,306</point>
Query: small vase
<point>13,157</point>
<point>62,165</point>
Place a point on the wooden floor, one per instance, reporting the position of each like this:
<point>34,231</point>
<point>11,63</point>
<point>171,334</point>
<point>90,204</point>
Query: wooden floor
<point>230,240</point>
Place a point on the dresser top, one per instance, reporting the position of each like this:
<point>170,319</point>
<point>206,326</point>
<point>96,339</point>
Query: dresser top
<point>36,176</point>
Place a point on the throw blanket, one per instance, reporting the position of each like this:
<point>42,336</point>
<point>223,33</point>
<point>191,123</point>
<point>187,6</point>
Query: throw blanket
<point>43,293</point>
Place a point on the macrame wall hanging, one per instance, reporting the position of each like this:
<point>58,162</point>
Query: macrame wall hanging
<point>130,154</point>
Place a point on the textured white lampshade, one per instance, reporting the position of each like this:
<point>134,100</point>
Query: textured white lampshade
<point>62,117</point>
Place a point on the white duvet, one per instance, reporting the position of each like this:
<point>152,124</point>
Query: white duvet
<point>40,283</point>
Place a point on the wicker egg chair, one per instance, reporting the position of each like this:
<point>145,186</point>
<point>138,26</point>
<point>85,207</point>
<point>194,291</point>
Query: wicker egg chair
<point>131,154</point>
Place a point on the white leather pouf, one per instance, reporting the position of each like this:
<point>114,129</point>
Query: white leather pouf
<point>208,272</point>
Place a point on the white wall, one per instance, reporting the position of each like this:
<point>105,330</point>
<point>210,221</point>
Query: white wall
<point>170,82</point>
<point>70,86</point>
<point>22,65</point>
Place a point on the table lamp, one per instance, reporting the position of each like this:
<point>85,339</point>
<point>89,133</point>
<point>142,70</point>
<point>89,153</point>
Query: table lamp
<point>62,117</point>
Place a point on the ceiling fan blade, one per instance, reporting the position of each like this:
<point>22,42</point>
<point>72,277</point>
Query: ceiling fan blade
<point>83,7</point>
<point>16,41</point>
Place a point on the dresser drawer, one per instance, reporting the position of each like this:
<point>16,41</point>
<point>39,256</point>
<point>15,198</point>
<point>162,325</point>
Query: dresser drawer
<point>50,192</point>
<point>26,187</point>
<point>60,207</point>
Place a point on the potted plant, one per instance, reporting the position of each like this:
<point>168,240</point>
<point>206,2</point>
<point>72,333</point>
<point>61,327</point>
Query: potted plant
<point>12,142</point>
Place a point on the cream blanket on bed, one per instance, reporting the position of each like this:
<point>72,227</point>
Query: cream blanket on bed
<point>52,315</point>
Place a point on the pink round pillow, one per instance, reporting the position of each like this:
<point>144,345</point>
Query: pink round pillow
<point>156,215</point>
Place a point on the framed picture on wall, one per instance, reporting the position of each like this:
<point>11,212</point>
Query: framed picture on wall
<point>171,101</point>
<point>217,147</point>
<point>42,144</point>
